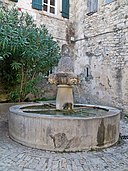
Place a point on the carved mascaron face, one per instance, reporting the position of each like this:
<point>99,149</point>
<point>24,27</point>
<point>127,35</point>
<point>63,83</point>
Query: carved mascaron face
<point>63,79</point>
<point>52,79</point>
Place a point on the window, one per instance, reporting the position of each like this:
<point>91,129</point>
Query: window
<point>87,73</point>
<point>107,1</point>
<point>45,5</point>
<point>92,6</point>
<point>49,6</point>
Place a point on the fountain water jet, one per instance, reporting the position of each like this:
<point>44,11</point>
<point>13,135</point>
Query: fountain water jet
<point>64,126</point>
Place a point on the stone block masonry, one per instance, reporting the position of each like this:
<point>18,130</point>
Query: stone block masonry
<point>101,50</point>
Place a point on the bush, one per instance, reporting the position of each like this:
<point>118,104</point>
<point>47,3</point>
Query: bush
<point>25,51</point>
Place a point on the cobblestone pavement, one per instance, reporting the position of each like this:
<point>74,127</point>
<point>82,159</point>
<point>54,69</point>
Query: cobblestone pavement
<point>16,157</point>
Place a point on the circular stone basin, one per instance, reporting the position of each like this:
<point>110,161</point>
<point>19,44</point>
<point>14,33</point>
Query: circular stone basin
<point>40,126</point>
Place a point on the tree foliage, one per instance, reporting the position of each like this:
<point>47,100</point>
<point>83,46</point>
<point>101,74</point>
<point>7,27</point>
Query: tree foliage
<point>25,49</point>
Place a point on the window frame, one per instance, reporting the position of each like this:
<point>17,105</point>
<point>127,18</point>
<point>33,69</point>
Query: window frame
<point>48,6</point>
<point>92,6</point>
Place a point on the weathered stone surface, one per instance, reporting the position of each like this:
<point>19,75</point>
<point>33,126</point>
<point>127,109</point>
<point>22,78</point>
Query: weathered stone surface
<point>102,43</point>
<point>64,96</point>
<point>63,133</point>
<point>15,157</point>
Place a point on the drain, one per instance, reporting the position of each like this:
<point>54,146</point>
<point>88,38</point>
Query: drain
<point>124,137</point>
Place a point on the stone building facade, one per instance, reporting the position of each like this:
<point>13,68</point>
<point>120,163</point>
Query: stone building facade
<point>101,52</point>
<point>97,34</point>
<point>55,23</point>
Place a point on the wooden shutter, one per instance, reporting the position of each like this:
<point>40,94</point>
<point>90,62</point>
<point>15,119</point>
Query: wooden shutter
<point>92,6</point>
<point>14,0</point>
<point>107,1</point>
<point>65,8</point>
<point>37,4</point>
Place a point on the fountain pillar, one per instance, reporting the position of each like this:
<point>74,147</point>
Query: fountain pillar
<point>64,78</point>
<point>64,96</point>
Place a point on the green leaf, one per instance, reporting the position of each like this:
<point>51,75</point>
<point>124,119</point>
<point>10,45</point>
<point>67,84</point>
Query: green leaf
<point>16,66</point>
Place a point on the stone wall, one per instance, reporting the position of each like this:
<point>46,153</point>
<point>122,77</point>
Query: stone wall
<point>100,49</point>
<point>101,53</point>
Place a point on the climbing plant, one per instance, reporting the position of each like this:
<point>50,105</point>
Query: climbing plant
<point>26,51</point>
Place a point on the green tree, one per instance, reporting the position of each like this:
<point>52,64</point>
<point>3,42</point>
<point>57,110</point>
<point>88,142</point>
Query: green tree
<point>25,50</point>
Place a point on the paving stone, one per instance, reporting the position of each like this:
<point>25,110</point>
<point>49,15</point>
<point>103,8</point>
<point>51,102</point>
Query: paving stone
<point>25,169</point>
<point>16,157</point>
<point>55,165</point>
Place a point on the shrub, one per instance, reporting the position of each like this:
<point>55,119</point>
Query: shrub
<point>25,51</point>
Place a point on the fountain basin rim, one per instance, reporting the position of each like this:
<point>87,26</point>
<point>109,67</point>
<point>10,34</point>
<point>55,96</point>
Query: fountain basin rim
<point>17,109</point>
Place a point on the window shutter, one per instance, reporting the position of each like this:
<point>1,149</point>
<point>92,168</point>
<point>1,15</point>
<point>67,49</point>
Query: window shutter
<point>14,0</point>
<point>65,8</point>
<point>107,1</point>
<point>37,4</point>
<point>92,6</point>
<point>95,5</point>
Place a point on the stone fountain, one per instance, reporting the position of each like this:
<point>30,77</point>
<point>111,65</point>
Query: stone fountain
<point>64,126</point>
<point>64,78</point>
